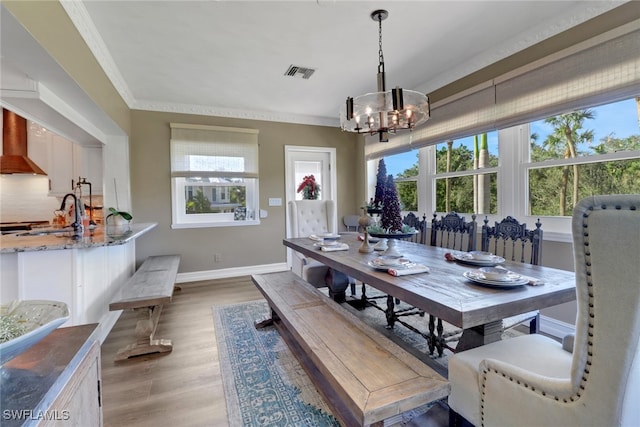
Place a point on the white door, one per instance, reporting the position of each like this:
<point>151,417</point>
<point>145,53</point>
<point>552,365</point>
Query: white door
<point>302,161</point>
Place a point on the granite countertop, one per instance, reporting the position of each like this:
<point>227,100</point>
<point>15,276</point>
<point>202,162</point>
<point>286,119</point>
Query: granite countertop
<point>100,236</point>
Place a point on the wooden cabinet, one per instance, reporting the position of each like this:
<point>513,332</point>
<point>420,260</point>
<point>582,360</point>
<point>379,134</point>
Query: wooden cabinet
<point>79,403</point>
<point>56,382</point>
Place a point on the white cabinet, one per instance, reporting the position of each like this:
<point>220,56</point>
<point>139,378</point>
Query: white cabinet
<point>61,166</point>
<point>88,164</point>
<point>84,279</point>
<point>64,162</point>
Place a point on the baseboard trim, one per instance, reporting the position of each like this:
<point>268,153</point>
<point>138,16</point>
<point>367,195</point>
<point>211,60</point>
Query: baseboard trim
<point>556,328</point>
<point>225,273</point>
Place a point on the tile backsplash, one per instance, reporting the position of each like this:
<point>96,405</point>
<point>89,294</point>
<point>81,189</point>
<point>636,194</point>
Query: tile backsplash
<point>25,198</point>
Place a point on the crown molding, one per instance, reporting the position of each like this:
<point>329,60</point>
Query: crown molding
<point>82,21</point>
<point>207,110</point>
<point>88,31</point>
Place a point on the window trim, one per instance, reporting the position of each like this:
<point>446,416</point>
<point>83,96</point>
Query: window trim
<point>180,220</point>
<point>512,175</point>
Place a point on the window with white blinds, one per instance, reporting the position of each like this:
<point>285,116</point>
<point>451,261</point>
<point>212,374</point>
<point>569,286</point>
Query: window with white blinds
<point>214,175</point>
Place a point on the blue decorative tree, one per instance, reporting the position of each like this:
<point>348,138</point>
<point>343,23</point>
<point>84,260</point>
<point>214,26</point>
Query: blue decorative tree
<point>391,213</point>
<point>381,184</point>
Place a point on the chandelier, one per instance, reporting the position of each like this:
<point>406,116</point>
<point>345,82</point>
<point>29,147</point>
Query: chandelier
<point>384,111</point>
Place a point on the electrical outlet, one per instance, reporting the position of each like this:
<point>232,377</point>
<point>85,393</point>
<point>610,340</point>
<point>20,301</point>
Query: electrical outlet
<point>217,257</point>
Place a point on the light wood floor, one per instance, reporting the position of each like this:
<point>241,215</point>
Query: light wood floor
<point>182,388</point>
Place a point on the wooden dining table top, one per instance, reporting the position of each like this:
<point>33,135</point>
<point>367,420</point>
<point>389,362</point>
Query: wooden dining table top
<point>443,291</point>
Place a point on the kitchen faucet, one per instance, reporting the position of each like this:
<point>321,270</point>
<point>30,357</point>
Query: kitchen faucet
<point>77,225</point>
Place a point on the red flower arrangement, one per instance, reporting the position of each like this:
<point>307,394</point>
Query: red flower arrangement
<point>309,188</point>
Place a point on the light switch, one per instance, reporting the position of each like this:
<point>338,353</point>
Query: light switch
<point>275,201</point>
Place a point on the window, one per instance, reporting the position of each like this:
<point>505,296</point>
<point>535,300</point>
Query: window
<point>405,171</point>
<point>582,153</point>
<point>214,176</point>
<point>466,174</point>
<point>533,170</point>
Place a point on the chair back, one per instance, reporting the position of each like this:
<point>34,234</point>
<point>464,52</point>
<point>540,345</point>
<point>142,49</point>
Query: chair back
<point>512,240</point>
<point>420,225</point>
<point>351,222</point>
<point>309,217</point>
<point>452,232</point>
<point>606,357</point>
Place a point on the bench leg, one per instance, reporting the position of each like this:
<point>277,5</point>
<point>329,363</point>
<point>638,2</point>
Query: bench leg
<point>259,324</point>
<point>145,342</point>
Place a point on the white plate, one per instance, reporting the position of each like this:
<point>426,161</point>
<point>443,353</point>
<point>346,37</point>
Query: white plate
<point>324,237</point>
<point>329,236</point>
<point>514,280</point>
<point>387,263</point>
<point>467,258</point>
<point>327,243</point>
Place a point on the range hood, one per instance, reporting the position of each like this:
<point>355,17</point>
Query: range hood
<point>14,146</point>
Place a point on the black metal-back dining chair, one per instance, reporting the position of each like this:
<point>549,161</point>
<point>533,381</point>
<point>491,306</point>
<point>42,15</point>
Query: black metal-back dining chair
<point>514,241</point>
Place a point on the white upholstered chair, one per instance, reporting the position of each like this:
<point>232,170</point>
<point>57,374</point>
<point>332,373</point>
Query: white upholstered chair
<point>531,380</point>
<point>307,217</point>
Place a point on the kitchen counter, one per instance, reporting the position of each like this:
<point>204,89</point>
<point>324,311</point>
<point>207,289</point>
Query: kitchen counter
<point>100,236</point>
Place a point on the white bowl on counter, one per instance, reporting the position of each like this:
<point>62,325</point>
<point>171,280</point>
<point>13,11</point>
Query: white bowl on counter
<point>33,319</point>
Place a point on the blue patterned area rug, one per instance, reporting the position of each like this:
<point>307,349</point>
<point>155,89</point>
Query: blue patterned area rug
<point>263,382</point>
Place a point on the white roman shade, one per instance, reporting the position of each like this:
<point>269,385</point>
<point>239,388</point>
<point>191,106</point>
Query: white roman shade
<point>600,70</point>
<point>213,151</point>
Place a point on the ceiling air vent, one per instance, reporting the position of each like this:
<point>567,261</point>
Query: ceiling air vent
<point>297,71</point>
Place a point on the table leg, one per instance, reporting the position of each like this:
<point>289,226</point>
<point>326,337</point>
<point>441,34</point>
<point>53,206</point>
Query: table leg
<point>389,312</point>
<point>480,335</point>
<point>337,282</point>
<point>440,343</point>
<point>432,336</point>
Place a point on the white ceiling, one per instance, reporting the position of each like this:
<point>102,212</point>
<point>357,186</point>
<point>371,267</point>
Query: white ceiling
<point>228,58</point>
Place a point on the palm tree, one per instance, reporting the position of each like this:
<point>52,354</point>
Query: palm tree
<point>447,182</point>
<point>484,180</point>
<point>566,134</point>
<point>199,203</point>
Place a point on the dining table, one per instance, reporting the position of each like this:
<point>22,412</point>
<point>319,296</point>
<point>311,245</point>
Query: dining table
<point>445,290</point>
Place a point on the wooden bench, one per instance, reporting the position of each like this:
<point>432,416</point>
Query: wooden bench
<point>147,291</point>
<point>364,376</point>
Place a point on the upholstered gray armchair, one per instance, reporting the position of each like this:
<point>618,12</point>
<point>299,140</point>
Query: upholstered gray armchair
<point>531,380</point>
